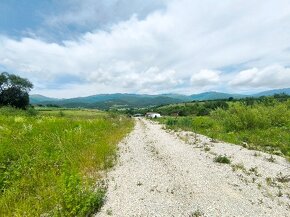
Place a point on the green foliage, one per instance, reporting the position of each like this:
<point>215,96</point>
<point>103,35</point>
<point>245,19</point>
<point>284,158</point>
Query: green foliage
<point>222,159</point>
<point>241,117</point>
<point>14,90</point>
<point>196,108</point>
<point>49,164</point>
<point>262,125</point>
<point>78,199</point>
<point>171,122</point>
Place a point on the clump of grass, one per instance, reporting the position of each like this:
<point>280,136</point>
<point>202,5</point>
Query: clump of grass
<point>49,165</point>
<point>222,159</point>
<point>283,178</point>
<point>271,181</point>
<point>271,159</point>
<point>239,166</point>
<point>109,212</point>
<point>206,148</point>
<point>254,170</point>
<point>197,213</point>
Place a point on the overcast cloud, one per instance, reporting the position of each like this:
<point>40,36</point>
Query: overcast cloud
<point>182,46</point>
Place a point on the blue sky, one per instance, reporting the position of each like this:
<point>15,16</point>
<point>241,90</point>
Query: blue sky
<point>71,48</point>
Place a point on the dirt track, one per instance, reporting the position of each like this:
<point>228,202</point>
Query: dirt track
<point>162,173</point>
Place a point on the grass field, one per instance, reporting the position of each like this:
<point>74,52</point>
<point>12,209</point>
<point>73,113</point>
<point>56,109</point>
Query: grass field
<point>260,126</point>
<point>50,161</point>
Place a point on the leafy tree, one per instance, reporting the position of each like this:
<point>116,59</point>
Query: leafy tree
<point>14,90</point>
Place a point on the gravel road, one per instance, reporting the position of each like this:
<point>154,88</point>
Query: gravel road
<point>165,173</point>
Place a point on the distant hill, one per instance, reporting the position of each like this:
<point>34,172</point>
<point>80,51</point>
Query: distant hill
<point>178,96</point>
<point>121,100</point>
<point>215,95</point>
<point>107,101</point>
<point>273,92</point>
<point>36,98</point>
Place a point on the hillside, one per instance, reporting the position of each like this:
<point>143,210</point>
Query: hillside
<point>273,92</point>
<point>107,101</point>
<point>121,100</point>
<point>215,95</point>
<point>37,98</point>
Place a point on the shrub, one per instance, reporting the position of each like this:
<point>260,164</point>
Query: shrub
<point>241,117</point>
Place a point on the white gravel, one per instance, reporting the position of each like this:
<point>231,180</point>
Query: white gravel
<point>165,173</point>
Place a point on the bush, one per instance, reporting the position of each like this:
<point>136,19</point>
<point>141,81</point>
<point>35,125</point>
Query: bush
<point>241,117</point>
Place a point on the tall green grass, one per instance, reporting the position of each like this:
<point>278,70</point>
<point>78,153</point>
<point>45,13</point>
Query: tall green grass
<point>50,163</point>
<point>259,126</point>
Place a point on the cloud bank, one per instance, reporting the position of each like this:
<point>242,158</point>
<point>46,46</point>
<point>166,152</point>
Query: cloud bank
<point>186,47</point>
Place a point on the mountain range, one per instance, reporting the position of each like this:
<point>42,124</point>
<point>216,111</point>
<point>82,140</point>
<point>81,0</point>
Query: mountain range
<point>124,100</point>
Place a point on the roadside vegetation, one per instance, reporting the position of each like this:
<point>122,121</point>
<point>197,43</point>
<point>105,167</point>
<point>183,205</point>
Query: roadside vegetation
<point>51,161</point>
<point>261,124</point>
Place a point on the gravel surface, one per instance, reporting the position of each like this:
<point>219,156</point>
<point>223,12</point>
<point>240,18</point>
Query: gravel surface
<point>166,173</point>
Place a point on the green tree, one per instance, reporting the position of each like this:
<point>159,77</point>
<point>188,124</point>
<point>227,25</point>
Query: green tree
<point>14,90</point>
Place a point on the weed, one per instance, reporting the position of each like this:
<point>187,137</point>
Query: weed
<point>239,166</point>
<point>222,159</point>
<point>206,149</point>
<point>271,159</point>
<point>279,194</point>
<point>270,181</point>
<point>254,170</point>
<point>283,178</point>
<point>197,213</point>
<point>109,212</point>
<point>49,164</point>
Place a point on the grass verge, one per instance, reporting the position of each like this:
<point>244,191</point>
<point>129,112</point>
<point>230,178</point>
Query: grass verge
<point>259,127</point>
<point>50,163</point>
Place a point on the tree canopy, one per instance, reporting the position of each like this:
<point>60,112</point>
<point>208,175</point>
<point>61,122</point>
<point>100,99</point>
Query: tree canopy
<point>14,90</point>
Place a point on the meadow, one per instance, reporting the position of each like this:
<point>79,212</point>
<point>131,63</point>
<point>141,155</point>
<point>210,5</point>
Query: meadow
<point>261,124</point>
<point>51,162</point>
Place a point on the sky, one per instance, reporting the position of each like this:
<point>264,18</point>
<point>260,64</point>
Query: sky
<point>71,48</point>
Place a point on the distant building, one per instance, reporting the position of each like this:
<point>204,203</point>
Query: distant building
<point>153,115</point>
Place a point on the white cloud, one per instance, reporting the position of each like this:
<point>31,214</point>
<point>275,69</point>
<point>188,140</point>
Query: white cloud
<point>205,78</point>
<point>167,50</point>
<point>274,76</point>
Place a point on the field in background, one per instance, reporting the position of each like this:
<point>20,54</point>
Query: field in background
<point>50,161</point>
<point>262,125</point>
